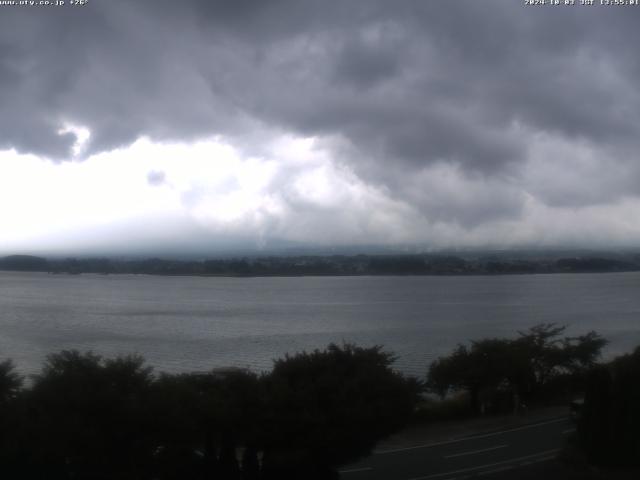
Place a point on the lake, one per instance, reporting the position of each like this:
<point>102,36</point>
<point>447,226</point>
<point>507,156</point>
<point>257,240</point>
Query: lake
<point>197,323</point>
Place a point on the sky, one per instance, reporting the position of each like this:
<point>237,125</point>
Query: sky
<point>208,125</point>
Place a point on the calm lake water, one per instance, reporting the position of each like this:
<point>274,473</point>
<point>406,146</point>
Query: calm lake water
<point>196,323</point>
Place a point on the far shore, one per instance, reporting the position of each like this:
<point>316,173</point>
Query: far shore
<point>501,263</point>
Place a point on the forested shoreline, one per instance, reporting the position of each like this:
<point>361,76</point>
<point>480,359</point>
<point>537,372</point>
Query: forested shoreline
<point>330,265</point>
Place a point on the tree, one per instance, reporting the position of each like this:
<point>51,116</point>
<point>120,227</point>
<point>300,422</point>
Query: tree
<point>486,367</point>
<point>10,394</point>
<point>331,407</point>
<point>581,353</point>
<point>89,416</point>
<point>10,382</point>
<point>552,359</point>
<point>538,360</point>
<point>85,416</point>
<point>610,421</point>
<point>542,348</point>
<point>202,418</point>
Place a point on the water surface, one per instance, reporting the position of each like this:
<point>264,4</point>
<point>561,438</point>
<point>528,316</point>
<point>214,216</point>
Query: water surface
<point>196,323</point>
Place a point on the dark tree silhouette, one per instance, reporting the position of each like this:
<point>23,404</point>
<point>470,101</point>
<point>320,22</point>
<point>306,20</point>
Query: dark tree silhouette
<point>330,407</point>
<point>10,382</point>
<point>610,419</point>
<point>526,367</point>
<point>89,416</point>
<point>551,358</point>
<point>86,417</point>
<point>202,418</point>
<point>485,367</point>
<point>10,423</point>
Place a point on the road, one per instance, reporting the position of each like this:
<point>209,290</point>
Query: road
<point>476,455</point>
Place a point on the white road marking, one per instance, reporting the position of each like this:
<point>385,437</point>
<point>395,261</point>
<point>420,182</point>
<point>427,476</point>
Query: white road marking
<point>472,437</point>
<point>496,470</point>
<point>545,454</point>
<point>354,470</point>
<point>516,465</point>
<point>568,431</point>
<point>488,449</point>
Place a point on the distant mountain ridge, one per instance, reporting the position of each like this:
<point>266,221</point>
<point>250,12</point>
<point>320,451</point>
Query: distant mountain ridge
<point>28,263</point>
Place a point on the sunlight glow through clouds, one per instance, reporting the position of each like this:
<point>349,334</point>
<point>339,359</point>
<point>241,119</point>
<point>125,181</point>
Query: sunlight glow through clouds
<point>207,195</point>
<point>82,135</point>
<point>207,183</point>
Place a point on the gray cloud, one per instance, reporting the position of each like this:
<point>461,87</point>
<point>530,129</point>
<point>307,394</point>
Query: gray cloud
<point>394,89</point>
<point>156,177</point>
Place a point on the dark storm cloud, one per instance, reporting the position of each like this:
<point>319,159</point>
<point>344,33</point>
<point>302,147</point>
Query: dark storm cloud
<point>365,65</point>
<point>405,85</point>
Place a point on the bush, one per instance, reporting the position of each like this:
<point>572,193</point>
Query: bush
<point>88,417</point>
<point>331,407</point>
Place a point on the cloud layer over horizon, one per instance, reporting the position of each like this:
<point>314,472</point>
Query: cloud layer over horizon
<point>368,122</point>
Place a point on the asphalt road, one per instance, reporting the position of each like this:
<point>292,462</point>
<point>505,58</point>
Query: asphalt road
<point>476,455</point>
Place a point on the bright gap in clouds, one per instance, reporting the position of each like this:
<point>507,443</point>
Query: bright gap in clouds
<point>171,196</point>
<point>207,197</point>
<point>81,134</point>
